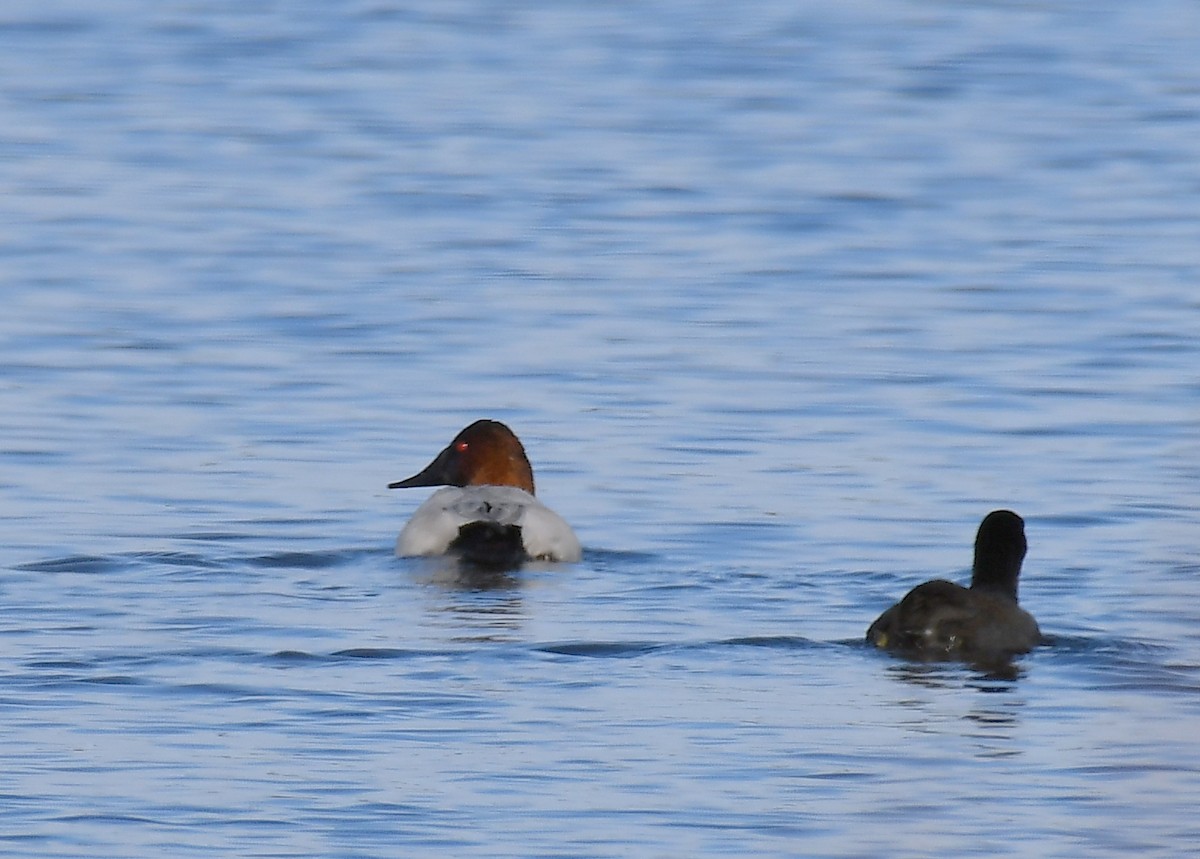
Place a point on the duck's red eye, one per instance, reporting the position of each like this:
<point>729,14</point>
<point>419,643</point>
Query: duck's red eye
<point>461,447</point>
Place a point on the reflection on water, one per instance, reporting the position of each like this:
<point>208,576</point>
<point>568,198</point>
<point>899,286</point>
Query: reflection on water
<point>470,604</point>
<point>947,673</point>
<point>452,574</point>
<point>499,619</point>
<point>991,726</point>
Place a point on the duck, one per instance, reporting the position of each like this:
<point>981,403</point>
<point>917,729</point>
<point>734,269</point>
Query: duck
<point>981,623</point>
<point>487,514</point>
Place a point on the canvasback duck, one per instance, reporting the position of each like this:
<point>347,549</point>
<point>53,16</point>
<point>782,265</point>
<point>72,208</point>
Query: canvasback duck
<point>982,623</point>
<point>487,513</point>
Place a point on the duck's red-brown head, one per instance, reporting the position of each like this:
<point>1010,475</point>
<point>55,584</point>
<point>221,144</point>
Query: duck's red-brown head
<point>487,453</point>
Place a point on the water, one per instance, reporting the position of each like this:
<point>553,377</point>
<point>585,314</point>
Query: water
<point>781,300</point>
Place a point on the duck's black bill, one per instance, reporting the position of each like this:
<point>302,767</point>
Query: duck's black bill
<point>440,472</point>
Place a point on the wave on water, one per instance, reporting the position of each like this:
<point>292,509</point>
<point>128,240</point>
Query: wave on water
<point>628,649</point>
<point>88,564</point>
<point>97,564</point>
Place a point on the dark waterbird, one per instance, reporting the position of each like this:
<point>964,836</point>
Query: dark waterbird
<point>982,623</point>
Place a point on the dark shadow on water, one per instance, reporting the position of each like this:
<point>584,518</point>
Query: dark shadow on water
<point>185,561</point>
<point>627,649</point>
<point>603,560</point>
<point>91,564</point>
<point>601,649</point>
<point>383,653</point>
<point>1109,663</point>
<point>772,642</point>
<point>1103,645</point>
<point>299,658</point>
<point>304,560</point>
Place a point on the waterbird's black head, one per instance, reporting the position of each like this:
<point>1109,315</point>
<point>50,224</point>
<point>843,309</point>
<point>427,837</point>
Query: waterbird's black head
<point>999,552</point>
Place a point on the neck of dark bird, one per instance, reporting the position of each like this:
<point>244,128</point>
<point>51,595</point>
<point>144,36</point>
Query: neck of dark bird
<point>998,575</point>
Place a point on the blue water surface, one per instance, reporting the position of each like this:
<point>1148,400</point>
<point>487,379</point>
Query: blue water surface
<point>781,298</point>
